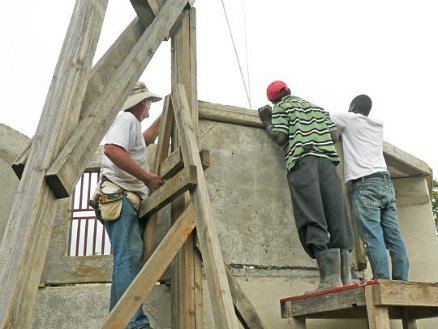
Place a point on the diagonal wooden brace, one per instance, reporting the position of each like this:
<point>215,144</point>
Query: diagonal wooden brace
<point>151,271</point>
<point>79,149</point>
<point>173,188</point>
<point>219,289</point>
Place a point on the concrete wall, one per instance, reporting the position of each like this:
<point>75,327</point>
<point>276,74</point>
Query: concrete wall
<point>253,215</point>
<point>11,145</point>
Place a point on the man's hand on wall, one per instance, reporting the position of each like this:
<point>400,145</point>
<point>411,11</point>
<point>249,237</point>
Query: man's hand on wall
<point>265,114</point>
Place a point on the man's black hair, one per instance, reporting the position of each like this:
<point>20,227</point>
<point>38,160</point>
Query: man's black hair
<point>363,104</point>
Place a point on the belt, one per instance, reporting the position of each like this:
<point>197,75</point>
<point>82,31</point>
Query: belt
<point>379,174</point>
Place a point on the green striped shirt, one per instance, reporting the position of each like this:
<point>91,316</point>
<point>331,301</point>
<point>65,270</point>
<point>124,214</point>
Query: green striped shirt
<point>308,128</point>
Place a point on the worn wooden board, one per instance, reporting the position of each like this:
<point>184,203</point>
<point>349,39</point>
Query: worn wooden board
<point>69,164</point>
<point>162,151</point>
<point>151,272</point>
<point>174,187</point>
<point>378,316</point>
<point>101,74</point>
<point>186,294</point>
<point>24,246</point>
<point>245,311</point>
<point>326,302</point>
<point>406,293</point>
<point>209,242</point>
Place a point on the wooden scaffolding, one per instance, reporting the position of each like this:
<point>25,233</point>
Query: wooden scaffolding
<point>377,301</point>
<point>82,102</point>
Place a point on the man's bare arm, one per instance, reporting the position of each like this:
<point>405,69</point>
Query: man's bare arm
<point>122,160</point>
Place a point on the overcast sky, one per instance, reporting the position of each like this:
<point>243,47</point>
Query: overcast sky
<point>326,51</point>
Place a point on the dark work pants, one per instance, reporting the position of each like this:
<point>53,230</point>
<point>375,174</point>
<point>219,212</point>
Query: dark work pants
<point>318,205</point>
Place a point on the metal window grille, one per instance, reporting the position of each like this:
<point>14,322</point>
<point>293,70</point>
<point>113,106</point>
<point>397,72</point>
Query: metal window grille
<point>87,235</point>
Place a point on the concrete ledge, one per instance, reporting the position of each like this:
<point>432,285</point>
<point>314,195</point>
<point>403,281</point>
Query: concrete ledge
<point>401,163</point>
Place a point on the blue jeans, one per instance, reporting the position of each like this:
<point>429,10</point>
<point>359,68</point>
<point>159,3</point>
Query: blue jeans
<point>374,207</point>
<point>127,246</point>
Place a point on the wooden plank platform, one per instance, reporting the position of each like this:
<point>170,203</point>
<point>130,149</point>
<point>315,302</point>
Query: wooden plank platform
<point>375,300</point>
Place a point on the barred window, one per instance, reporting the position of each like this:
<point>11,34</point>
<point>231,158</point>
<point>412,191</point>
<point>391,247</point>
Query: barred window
<point>87,235</point>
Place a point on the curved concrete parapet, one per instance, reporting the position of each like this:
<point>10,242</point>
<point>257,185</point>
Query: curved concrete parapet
<point>12,143</point>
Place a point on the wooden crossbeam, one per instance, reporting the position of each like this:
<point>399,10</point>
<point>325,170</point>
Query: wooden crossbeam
<point>70,163</point>
<point>208,239</point>
<point>146,10</point>
<point>108,64</point>
<point>174,163</point>
<point>151,271</point>
<point>403,293</point>
<point>27,237</point>
<point>102,73</point>
<point>173,188</point>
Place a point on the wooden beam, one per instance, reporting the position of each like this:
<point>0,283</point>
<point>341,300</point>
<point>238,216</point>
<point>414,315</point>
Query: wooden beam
<point>324,303</point>
<point>27,237</point>
<point>19,163</point>
<point>187,295</point>
<point>108,64</point>
<point>101,74</point>
<point>245,311</point>
<point>209,242</point>
<point>151,272</point>
<point>173,188</point>
<point>229,114</point>
<point>403,293</point>
<point>174,163</point>
<point>378,316</point>
<point>162,150</point>
<point>69,165</point>
<point>146,10</point>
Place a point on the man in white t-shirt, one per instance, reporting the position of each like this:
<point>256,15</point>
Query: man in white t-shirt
<point>123,174</point>
<point>372,192</point>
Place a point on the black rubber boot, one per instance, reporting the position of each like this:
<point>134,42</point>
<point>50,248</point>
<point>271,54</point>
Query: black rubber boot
<point>329,266</point>
<point>345,268</point>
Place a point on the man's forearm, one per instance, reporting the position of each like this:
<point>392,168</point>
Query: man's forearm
<point>151,133</point>
<point>279,138</point>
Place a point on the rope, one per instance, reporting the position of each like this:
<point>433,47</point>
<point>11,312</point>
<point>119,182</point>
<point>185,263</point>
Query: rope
<point>237,56</point>
<point>246,54</point>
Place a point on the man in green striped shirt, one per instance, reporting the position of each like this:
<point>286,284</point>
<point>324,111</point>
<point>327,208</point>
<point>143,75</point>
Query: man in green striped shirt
<point>307,135</point>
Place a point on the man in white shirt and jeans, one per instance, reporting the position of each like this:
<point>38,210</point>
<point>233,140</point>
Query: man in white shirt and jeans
<point>125,181</point>
<point>372,192</point>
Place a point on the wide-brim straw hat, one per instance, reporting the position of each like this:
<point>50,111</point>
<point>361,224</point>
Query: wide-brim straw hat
<point>137,94</point>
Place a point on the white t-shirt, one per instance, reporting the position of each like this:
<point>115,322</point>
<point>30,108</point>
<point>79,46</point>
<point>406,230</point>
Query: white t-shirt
<point>362,141</point>
<point>126,132</point>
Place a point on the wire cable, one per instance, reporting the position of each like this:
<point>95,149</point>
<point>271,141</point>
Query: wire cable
<point>237,55</point>
<point>246,54</point>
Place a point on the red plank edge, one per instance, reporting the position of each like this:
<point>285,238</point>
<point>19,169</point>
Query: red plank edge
<point>331,290</point>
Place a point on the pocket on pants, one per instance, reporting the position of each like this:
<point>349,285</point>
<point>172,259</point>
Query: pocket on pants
<point>369,197</point>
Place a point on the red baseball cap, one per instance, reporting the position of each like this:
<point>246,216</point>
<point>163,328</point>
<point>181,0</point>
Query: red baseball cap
<point>276,89</point>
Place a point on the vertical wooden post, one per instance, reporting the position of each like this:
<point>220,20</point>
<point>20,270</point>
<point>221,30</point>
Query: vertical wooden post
<point>219,288</point>
<point>187,311</point>
<point>24,248</point>
<point>378,317</point>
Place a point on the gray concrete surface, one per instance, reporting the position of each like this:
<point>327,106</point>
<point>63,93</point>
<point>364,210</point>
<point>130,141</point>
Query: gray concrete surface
<point>253,216</point>
<point>11,144</point>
